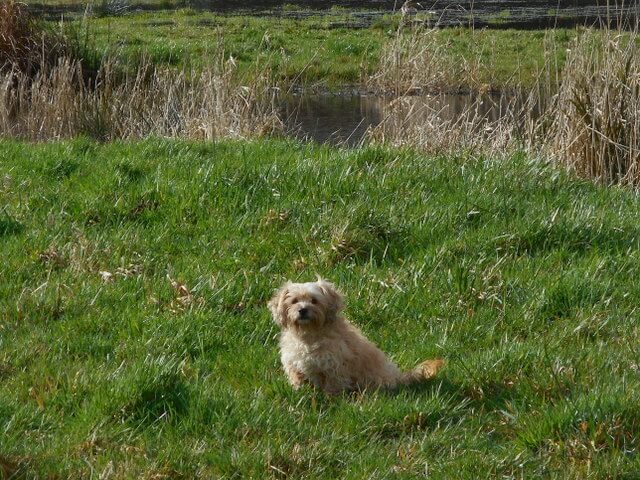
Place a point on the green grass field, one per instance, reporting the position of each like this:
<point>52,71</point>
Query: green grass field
<point>520,276</point>
<point>311,51</point>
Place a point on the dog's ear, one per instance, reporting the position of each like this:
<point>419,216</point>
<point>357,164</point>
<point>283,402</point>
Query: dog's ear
<point>276,305</point>
<point>334,300</point>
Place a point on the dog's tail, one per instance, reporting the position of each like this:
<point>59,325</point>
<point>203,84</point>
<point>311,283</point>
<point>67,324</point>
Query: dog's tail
<point>424,371</point>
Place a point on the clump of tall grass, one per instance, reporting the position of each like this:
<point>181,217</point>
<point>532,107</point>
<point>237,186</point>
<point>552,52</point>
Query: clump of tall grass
<point>489,129</point>
<point>26,44</point>
<point>416,63</point>
<point>583,114</point>
<point>52,85</point>
<point>595,126</point>
<point>150,101</point>
<point>29,45</point>
<point>412,63</point>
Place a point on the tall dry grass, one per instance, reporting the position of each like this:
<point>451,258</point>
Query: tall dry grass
<point>412,63</point>
<point>584,114</point>
<point>52,86</point>
<point>595,115</point>
<point>417,61</point>
<point>488,125</point>
<point>206,104</point>
<point>26,44</point>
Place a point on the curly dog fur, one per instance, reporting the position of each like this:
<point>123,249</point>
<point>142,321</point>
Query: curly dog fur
<point>319,346</point>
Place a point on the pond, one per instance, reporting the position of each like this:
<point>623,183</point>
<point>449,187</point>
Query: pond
<point>519,14</point>
<point>345,119</point>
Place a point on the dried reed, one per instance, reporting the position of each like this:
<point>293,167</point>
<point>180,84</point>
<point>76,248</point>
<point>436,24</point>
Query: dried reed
<point>595,127</point>
<point>415,63</point>
<point>480,128</point>
<point>412,63</point>
<point>26,45</point>
<point>584,115</point>
<point>207,104</point>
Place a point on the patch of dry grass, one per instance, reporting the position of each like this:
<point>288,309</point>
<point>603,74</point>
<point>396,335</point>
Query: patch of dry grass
<point>417,63</point>
<point>582,114</point>
<point>150,101</point>
<point>26,46</point>
<point>412,63</point>
<point>595,127</point>
<point>479,128</point>
<point>428,60</point>
<point>48,92</point>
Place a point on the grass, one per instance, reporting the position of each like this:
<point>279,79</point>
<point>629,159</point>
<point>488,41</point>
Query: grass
<point>304,51</point>
<point>136,342</point>
<point>312,51</point>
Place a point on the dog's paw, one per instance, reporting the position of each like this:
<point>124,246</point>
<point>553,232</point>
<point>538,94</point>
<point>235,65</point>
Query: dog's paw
<point>430,368</point>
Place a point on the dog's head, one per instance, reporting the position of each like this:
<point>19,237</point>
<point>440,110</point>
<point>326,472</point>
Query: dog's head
<point>309,305</point>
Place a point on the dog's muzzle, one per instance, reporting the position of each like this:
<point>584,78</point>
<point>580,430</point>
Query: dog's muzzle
<point>304,316</point>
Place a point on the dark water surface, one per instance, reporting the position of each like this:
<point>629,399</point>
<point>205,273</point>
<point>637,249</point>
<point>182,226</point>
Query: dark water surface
<point>345,119</point>
<point>363,13</point>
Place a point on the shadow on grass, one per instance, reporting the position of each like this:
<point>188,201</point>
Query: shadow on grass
<point>159,397</point>
<point>489,396</point>
<point>15,468</point>
<point>573,238</point>
<point>9,226</point>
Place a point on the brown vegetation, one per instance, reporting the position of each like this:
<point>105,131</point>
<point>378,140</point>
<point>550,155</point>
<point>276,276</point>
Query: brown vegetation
<point>583,116</point>
<point>208,104</point>
<point>26,46</point>
<point>410,122</point>
<point>47,92</point>
<point>595,127</point>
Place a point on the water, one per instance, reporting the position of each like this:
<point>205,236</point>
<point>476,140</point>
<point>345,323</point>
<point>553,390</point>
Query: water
<point>339,119</point>
<point>521,14</point>
<point>345,119</point>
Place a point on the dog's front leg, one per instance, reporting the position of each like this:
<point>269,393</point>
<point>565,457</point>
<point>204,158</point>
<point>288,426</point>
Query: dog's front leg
<point>296,377</point>
<point>328,384</point>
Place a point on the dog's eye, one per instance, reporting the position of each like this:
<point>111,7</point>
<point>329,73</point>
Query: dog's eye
<point>314,301</point>
<point>294,301</point>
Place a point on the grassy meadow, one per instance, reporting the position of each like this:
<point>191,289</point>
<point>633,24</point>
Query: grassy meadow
<point>150,206</point>
<point>315,50</point>
<point>312,51</point>
<point>135,341</point>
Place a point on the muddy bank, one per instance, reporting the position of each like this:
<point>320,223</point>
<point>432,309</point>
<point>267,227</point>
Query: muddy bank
<point>362,14</point>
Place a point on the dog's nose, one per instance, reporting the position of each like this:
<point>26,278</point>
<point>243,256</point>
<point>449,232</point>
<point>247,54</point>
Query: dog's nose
<point>303,312</point>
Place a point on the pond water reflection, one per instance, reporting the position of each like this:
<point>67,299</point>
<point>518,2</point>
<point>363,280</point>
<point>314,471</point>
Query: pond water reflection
<point>345,119</point>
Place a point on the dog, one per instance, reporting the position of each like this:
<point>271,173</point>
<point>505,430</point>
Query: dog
<point>320,347</point>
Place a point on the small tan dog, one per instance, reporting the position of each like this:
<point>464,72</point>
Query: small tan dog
<point>319,346</point>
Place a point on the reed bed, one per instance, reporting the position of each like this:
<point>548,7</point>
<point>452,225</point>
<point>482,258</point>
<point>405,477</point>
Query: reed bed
<point>52,86</point>
<point>206,104</point>
<point>595,127</point>
<point>412,63</point>
<point>415,64</point>
<point>26,44</point>
<point>418,61</point>
<point>495,129</point>
<point>583,115</point>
